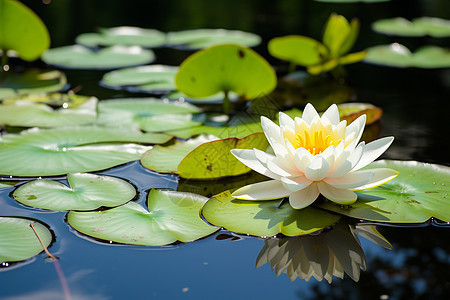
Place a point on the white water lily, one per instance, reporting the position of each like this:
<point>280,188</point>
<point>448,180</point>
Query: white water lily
<point>314,155</point>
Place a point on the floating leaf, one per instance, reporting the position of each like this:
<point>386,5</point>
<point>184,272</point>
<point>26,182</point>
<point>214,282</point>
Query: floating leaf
<point>80,57</point>
<point>214,160</point>
<point>217,98</point>
<point>172,216</point>
<point>420,192</point>
<point>29,114</point>
<point>423,26</point>
<point>31,81</point>
<point>85,192</point>
<point>225,68</point>
<point>18,240</point>
<point>166,159</point>
<point>22,31</point>
<point>123,35</point>
<point>351,111</point>
<point>71,150</point>
<point>397,55</point>
<point>203,38</point>
<point>265,218</point>
<point>237,131</point>
<point>7,184</point>
<point>149,79</point>
<point>68,100</point>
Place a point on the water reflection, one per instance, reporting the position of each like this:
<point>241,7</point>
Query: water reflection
<point>330,253</point>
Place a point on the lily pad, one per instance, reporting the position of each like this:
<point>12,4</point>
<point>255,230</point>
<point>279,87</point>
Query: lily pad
<point>123,35</point>
<point>217,98</point>
<point>148,79</point>
<point>214,160</point>
<point>80,57</point>
<point>18,241</point>
<point>22,31</point>
<point>148,114</point>
<point>71,150</point>
<point>66,100</point>
<point>166,159</point>
<point>7,184</point>
<point>397,55</point>
<point>423,26</point>
<point>420,192</point>
<point>171,216</point>
<point>265,218</point>
<point>351,111</point>
<point>225,68</point>
<point>202,38</point>
<point>238,131</point>
<point>85,192</point>
<point>30,114</point>
<point>31,81</point>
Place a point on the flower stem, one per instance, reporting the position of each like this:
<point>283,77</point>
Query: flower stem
<point>226,103</point>
<point>43,246</point>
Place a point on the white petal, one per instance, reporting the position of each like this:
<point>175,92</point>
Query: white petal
<point>332,114</point>
<point>328,155</point>
<point>340,129</point>
<point>339,196</point>
<point>277,168</point>
<point>266,190</point>
<point>285,120</point>
<point>273,135</point>
<point>352,159</point>
<point>317,169</point>
<point>350,180</point>
<point>296,183</point>
<point>305,197</point>
<point>356,127</point>
<point>302,158</point>
<point>309,113</point>
<point>381,175</point>
<point>248,158</point>
<point>373,150</point>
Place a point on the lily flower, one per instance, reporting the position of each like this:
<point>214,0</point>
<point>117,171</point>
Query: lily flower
<point>314,155</point>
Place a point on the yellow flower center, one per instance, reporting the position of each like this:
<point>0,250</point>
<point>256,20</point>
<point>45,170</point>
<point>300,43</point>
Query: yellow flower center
<point>315,142</point>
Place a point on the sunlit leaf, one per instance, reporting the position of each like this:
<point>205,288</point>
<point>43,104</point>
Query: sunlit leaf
<point>217,98</point>
<point>265,218</point>
<point>203,38</point>
<point>214,159</point>
<point>67,100</point>
<point>351,111</point>
<point>238,131</point>
<point>166,159</point>
<point>123,35</point>
<point>30,114</point>
<point>171,216</point>
<point>151,79</point>
<point>434,27</point>
<point>31,81</point>
<point>420,192</point>
<point>336,32</point>
<point>225,68</point>
<point>80,57</point>
<point>71,150</point>
<point>85,192</point>
<point>18,240</point>
<point>22,31</point>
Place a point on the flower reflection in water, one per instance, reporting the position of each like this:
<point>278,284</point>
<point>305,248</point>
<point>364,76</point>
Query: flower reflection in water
<point>322,256</point>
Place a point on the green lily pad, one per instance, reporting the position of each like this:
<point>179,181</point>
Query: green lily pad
<point>225,68</point>
<point>67,100</point>
<point>80,57</point>
<point>420,192</point>
<point>30,114</point>
<point>214,160</point>
<point>85,192</point>
<point>202,38</point>
<point>7,184</point>
<point>31,81</point>
<point>171,216</point>
<point>148,114</point>
<point>22,31</point>
<point>217,98</point>
<point>238,131</point>
<point>166,159</point>
<point>265,218</point>
<point>18,241</point>
<point>339,35</point>
<point>397,55</point>
<point>423,26</point>
<point>71,150</point>
<point>148,79</point>
<point>123,35</point>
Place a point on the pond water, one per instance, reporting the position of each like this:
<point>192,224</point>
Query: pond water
<point>222,266</point>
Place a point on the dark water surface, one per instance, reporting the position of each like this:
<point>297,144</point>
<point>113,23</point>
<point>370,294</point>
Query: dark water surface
<point>416,111</point>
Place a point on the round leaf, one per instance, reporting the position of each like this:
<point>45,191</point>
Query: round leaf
<point>85,192</point>
<point>80,57</point>
<point>351,111</point>
<point>172,216</point>
<point>203,38</point>
<point>123,35</point>
<point>420,192</point>
<point>18,240</point>
<point>265,218</point>
<point>434,27</point>
<point>22,31</point>
<point>225,68</point>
